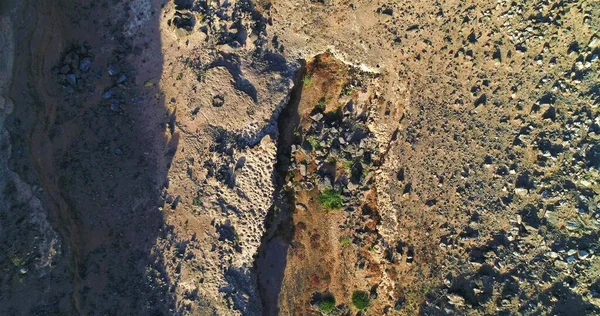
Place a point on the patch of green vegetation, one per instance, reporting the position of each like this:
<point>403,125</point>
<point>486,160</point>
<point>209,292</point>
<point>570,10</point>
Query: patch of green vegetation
<point>307,80</point>
<point>321,106</point>
<point>314,142</point>
<point>345,241</point>
<point>332,160</point>
<point>331,199</point>
<point>327,304</point>
<point>348,164</point>
<point>149,84</point>
<point>346,89</point>
<point>360,300</point>
<point>425,289</point>
<point>16,261</point>
<point>411,302</point>
<point>584,225</point>
<point>589,176</point>
<point>365,171</point>
<point>179,76</point>
<point>196,202</point>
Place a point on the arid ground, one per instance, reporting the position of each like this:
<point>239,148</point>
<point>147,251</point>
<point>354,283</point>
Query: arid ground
<point>310,157</point>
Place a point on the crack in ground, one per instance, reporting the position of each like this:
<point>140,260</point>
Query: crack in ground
<point>270,262</point>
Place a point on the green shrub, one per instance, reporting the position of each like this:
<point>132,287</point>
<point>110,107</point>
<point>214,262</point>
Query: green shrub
<point>16,261</point>
<point>345,241</point>
<point>327,304</point>
<point>348,164</point>
<point>330,199</point>
<point>360,299</point>
<point>314,142</point>
<point>307,80</point>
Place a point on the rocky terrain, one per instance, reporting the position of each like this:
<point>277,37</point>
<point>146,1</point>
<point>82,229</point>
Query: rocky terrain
<point>315,157</point>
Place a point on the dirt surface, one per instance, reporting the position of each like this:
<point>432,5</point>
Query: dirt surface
<point>270,157</point>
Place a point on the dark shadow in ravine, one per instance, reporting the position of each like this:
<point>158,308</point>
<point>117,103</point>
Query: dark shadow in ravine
<point>271,260</point>
<point>96,141</point>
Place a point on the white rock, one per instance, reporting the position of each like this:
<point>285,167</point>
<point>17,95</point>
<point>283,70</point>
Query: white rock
<point>595,42</point>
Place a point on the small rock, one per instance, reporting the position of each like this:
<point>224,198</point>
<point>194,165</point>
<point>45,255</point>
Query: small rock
<point>68,89</point>
<point>521,192</point>
<point>302,168</point>
<point>325,183</point>
<point>218,100</point>
<point>308,186</point>
<point>110,93</point>
<point>175,202</point>
<point>65,69</point>
<point>6,104</point>
<point>301,207</point>
<point>552,255</point>
<point>122,78</point>
<point>455,300</point>
<point>595,42</point>
<point>114,69</point>
<point>386,11</point>
<point>72,79</point>
<point>560,265</point>
<point>75,61</point>
<point>85,64</point>
<point>572,226</point>
<point>317,117</point>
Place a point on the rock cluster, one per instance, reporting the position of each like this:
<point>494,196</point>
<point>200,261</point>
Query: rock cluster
<point>344,152</point>
<point>75,72</point>
<point>114,95</point>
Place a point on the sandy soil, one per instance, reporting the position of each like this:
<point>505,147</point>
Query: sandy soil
<point>182,157</point>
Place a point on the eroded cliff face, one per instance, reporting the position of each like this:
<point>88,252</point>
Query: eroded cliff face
<point>296,158</point>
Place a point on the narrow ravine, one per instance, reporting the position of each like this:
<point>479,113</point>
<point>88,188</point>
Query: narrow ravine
<point>324,218</point>
<point>271,260</point>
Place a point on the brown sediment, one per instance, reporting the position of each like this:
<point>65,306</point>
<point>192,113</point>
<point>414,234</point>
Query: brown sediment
<point>313,260</point>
